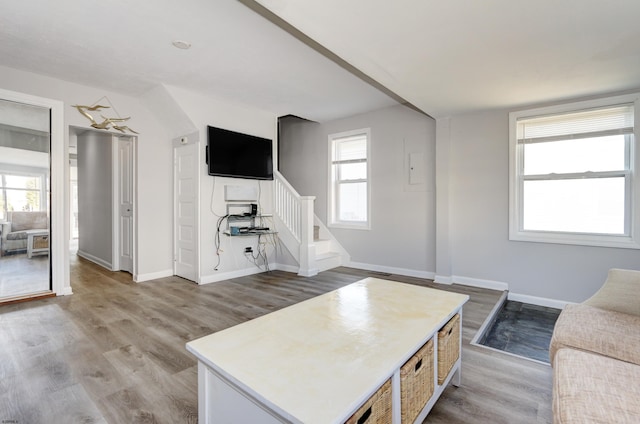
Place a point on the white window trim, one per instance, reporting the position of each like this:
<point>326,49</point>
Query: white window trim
<point>350,225</point>
<point>516,233</point>
<point>41,174</point>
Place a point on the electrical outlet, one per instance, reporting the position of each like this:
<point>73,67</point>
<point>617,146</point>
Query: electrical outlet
<point>248,249</point>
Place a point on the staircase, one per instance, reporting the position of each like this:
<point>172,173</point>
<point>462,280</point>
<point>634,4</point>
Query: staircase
<point>327,256</point>
<point>307,239</point>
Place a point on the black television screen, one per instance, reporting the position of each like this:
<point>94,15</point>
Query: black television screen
<point>233,154</point>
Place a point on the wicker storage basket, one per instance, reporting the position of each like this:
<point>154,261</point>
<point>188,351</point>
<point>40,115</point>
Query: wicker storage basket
<point>416,382</point>
<point>376,410</point>
<point>448,347</point>
<point>40,242</point>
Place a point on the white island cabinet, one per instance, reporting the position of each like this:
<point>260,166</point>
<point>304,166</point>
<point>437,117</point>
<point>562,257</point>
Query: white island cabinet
<point>319,361</point>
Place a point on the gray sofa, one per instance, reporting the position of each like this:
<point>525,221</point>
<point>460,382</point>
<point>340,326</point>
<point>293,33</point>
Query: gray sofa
<point>14,232</point>
<point>595,354</point>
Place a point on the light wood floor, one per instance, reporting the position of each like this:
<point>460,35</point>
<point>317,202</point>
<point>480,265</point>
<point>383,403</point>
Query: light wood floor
<point>113,352</point>
<point>20,275</point>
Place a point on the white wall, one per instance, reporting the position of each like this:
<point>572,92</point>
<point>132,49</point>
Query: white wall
<point>95,221</point>
<point>24,158</point>
<point>402,234</point>
<point>203,111</point>
<point>480,251</point>
<point>154,153</point>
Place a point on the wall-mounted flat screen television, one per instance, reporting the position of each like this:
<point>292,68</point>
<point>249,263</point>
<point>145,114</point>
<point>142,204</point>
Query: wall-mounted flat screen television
<point>233,154</point>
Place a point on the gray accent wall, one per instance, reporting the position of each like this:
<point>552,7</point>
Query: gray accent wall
<point>95,220</point>
<point>478,181</point>
<point>472,243</point>
<point>402,234</point>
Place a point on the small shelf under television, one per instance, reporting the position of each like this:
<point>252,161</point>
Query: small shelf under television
<point>246,222</point>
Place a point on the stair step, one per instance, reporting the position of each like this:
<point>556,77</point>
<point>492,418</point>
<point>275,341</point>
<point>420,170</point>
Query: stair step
<point>328,260</point>
<point>326,255</point>
<point>322,246</point>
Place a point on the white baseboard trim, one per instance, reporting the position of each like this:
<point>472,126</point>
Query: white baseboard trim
<point>96,260</point>
<point>66,291</point>
<point>287,268</point>
<point>309,273</point>
<point>214,278</point>
<point>540,301</point>
<point>392,270</point>
<point>441,279</point>
<point>139,278</point>
<point>498,285</point>
<point>483,284</point>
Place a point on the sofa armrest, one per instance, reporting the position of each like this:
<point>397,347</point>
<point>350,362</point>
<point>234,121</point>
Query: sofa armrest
<point>620,293</point>
<point>5,228</point>
<point>597,330</point>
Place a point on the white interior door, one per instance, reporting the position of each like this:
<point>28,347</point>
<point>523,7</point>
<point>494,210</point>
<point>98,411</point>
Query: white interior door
<point>185,182</point>
<point>125,203</point>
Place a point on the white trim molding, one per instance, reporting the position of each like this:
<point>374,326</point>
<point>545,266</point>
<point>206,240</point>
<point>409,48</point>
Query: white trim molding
<point>96,260</point>
<point>139,278</point>
<point>502,286</point>
<point>392,270</point>
<point>59,174</point>
<point>441,279</point>
<point>540,301</point>
<point>476,282</point>
<point>214,278</point>
<point>287,268</point>
<point>66,291</point>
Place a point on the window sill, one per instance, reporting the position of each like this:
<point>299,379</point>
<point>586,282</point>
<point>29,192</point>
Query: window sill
<point>349,226</point>
<point>620,242</point>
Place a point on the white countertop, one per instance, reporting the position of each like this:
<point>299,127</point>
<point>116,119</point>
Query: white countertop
<point>316,361</point>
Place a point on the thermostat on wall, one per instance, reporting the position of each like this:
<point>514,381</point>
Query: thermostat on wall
<point>240,193</point>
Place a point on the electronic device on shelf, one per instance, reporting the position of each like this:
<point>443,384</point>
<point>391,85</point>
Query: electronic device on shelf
<point>260,229</point>
<point>243,219</point>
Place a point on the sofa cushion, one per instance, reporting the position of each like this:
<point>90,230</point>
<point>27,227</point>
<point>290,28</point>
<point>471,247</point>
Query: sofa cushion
<point>589,388</point>
<point>597,330</point>
<point>21,221</point>
<point>17,235</point>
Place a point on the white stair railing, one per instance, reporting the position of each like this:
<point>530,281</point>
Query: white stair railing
<point>287,204</point>
<point>295,214</point>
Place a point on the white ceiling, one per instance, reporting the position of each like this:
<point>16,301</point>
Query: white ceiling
<point>125,46</point>
<point>445,57</point>
<point>454,56</point>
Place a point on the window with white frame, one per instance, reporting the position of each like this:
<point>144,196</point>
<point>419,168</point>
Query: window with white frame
<point>572,174</point>
<point>349,179</point>
<point>21,191</point>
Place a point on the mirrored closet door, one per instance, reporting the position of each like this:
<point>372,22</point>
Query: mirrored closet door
<point>25,210</point>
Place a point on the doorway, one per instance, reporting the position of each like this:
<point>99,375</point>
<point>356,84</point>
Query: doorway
<point>102,212</point>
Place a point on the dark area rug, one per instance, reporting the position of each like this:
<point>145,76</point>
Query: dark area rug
<point>522,329</point>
